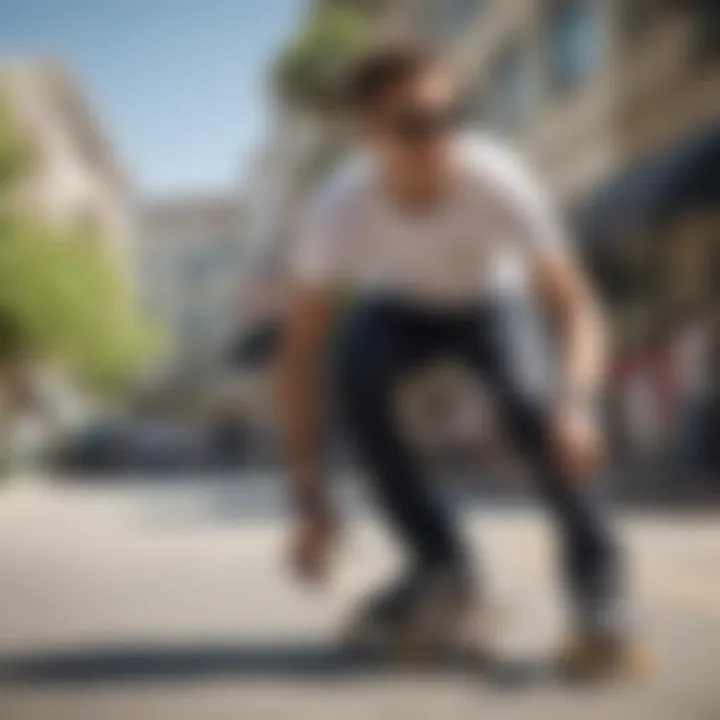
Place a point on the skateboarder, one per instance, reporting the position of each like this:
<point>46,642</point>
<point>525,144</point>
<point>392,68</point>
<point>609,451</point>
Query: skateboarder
<point>448,248</point>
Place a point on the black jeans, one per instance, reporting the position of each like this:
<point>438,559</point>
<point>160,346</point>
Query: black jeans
<point>505,341</point>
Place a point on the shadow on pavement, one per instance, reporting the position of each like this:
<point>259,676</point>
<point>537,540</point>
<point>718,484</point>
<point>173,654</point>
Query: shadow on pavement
<point>244,662</point>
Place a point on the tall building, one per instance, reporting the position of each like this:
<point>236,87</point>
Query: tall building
<point>615,102</point>
<point>188,265</point>
<point>588,87</point>
<point>77,178</point>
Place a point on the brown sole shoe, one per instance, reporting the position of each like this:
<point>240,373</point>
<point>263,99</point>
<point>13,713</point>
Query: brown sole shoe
<point>593,661</point>
<point>454,636</point>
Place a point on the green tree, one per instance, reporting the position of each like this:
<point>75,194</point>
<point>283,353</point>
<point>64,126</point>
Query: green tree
<point>15,153</point>
<point>312,69</point>
<point>61,297</point>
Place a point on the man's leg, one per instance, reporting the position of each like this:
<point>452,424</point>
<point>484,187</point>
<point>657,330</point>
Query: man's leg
<point>378,345</point>
<point>512,348</point>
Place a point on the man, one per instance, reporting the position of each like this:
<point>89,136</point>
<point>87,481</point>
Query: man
<point>445,241</point>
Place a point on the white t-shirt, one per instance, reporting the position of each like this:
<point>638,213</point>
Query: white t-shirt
<point>479,240</point>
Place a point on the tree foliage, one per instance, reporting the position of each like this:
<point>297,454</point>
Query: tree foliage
<point>15,153</point>
<point>61,297</point>
<point>311,70</point>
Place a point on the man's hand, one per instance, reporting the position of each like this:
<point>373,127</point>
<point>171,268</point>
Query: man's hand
<point>313,535</point>
<point>578,441</point>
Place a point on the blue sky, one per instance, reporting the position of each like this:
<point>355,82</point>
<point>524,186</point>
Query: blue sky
<point>180,85</point>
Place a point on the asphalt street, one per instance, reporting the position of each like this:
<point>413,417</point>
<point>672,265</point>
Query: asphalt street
<point>138,600</point>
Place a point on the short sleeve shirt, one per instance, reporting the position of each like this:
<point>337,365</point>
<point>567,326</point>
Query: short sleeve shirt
<point>490,227</point>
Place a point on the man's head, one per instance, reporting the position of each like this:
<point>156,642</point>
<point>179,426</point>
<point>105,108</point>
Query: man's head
<point>405,100</point>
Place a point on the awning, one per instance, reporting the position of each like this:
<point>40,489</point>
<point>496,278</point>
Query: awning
<point>688,175</point>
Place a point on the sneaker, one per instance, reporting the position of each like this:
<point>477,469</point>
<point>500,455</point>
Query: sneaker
<point>416,617</point>
<point>591,659</point>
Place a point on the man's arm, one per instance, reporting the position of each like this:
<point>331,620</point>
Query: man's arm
<point>301,401</point>
<point>570,297</point>
<point>584,351</point>
<point>300,385</point>
<point>562,285</point>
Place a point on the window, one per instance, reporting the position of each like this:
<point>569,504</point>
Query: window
<point>707,18</point>
<point>228,256</point>
<point>194,326</point>
<point>456,14</point>
<point>510,94</point>
<point>576,42</point>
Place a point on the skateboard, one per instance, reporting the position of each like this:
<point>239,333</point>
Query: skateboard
<point>471,645</point>
<point>440,641</point>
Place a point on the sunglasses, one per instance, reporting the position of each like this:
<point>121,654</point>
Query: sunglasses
<point>417,124</point>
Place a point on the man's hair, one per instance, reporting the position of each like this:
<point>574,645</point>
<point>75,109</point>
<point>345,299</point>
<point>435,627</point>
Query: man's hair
<point>386,69</point>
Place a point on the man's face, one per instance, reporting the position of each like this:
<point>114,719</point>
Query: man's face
<point>412,126</point>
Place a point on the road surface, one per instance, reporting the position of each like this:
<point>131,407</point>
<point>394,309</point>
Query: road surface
<point>130,600</point>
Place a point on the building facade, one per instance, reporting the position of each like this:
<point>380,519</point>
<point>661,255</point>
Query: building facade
<point>77,179</point>
<point>189,264</point>
<point>589,88</point>
<point>594,90</point>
